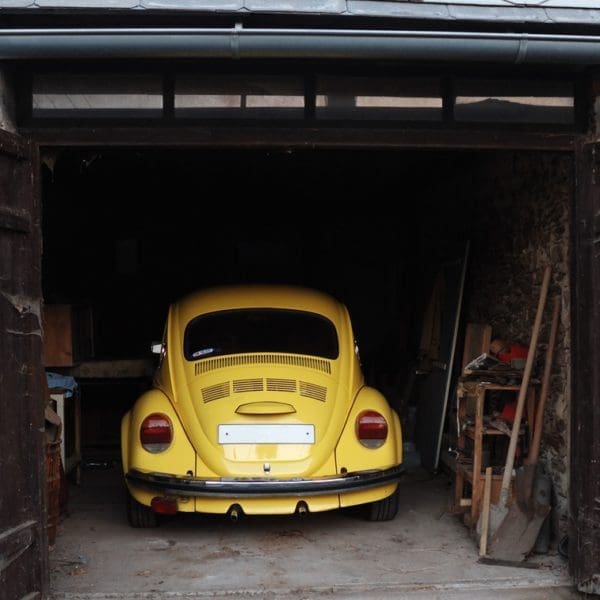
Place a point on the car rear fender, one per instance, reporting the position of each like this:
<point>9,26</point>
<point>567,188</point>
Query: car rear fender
<point>179,458</point>
<point>351,454</point>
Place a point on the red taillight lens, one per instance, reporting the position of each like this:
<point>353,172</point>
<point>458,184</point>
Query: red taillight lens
<point>371,429</point>
<point>156,433</point>
<point>164,506</point>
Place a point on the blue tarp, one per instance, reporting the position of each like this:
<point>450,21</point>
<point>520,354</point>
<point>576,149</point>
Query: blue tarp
<point>65,382</point>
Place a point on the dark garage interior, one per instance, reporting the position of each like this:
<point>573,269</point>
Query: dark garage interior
<point>433,164</point>
<point>128,231</point>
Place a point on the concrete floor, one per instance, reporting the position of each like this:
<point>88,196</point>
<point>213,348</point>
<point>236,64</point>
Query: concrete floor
<point>424,553</point>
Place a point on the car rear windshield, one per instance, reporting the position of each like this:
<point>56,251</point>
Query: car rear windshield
<point>260,330</point>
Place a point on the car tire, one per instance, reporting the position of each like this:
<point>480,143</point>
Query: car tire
<point>138,515</point>
<point>385,509</point>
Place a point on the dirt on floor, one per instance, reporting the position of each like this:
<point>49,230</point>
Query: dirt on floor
<point>426,552</point>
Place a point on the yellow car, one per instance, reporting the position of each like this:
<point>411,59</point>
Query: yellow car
<point>259,406</point>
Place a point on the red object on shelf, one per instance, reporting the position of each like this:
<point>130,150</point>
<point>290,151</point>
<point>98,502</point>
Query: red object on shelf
<point>508,412</point>
<point>512,352</point>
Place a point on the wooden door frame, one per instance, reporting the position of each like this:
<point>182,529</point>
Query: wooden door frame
<point>584,484</point>
<point>23,535</point>
<point>584,487</point>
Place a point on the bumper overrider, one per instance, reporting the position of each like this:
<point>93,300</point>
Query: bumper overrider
<point>244,487</point>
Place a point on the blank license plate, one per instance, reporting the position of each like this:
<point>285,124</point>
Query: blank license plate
<point>266,434</point>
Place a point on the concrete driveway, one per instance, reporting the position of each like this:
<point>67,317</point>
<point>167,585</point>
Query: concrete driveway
<point>424,553</point>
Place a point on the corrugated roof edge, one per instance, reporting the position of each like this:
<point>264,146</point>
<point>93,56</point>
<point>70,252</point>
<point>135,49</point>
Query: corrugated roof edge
<point>576,12</point>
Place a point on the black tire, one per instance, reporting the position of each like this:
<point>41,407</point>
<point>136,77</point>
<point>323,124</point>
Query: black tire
<point>385,509</point>
<point>139,515</point>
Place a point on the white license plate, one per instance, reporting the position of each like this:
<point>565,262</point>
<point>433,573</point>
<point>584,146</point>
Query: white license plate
<point>266,434</point>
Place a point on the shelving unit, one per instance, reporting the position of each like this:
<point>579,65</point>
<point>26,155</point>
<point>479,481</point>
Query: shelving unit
<point>471,425</point>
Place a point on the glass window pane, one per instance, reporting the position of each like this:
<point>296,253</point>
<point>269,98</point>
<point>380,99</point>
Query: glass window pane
<point>514,101</point>
<point>239,96</point>
<point>97,95</point>
<point>378,98</point>
<point>260,330</point>
<point>209,101</point>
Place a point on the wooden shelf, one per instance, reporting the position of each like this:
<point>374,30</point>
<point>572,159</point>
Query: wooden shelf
<point>470,431</point>
<point>477,431</point>
<point>498,386</point>
<point>467,471</point>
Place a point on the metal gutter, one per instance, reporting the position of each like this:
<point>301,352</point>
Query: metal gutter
<point>239,43</point>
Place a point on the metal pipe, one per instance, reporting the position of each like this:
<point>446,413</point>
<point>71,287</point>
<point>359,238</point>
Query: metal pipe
<point>302,509</point>
<point>238,42</point>
<point>234,513</point>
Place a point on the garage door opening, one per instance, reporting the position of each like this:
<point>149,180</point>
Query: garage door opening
<point>417,244</point>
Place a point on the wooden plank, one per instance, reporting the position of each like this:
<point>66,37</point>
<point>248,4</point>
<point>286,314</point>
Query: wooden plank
<point>584,530</point>
<point>313,134</point>
<point>22,440</point>
<point>68,334</point>
<point>58,335</point>
<point>477,455</point>
<point>478,337</point>
<point>485,515</point>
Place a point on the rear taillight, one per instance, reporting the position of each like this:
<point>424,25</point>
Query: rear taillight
<point>156,433</point>
<point>371,429</point>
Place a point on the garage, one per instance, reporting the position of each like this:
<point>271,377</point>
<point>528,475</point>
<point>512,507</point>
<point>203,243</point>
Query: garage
<point>380,179</point>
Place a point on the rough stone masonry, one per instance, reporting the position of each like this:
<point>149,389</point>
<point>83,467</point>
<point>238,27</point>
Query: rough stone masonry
<point>520,222</point>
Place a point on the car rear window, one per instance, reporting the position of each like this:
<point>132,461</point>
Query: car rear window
<point>260,330</point>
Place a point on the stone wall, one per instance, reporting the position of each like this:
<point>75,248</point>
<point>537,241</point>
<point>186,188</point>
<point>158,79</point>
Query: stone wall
<point>520,214</point>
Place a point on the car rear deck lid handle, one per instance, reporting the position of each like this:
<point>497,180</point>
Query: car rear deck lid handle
<point>265,408</point>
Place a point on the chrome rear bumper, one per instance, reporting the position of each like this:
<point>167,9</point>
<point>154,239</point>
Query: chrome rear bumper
<point>243,487</point>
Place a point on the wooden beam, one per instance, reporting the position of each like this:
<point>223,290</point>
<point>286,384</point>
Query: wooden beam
<point>309,136</point>
<point>584,527</point>
<point>22,443</point>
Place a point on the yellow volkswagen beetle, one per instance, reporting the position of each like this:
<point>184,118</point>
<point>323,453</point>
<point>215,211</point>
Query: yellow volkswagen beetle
<point>259,406</point>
